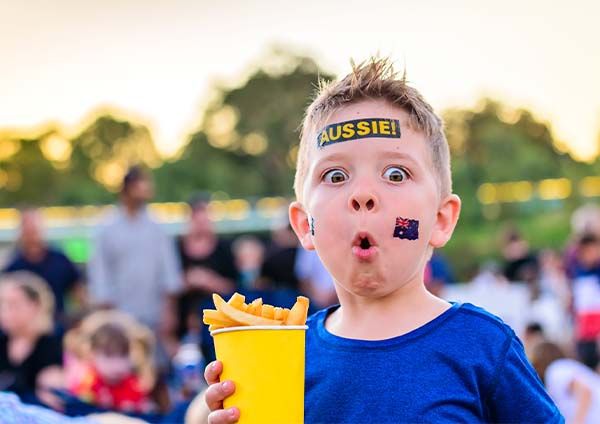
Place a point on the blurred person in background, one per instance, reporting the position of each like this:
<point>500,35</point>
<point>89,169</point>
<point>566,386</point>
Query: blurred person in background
<point>574,387</point>
<point>552,307</point>
<point>134,265</point>
<point>489,275</point>
<point>292,270</point>
<point>13,410</point>
<point>438,273</point>
<point>553,277</point>
<point>249,253</point>
<point>29,352</point>
<point>586,298</point>
<point>520,264</point>
<point>585,220</point>
<point>34,254</point>
<point>532,336</point>
<point>208,266</point>
<point>278,269</point>
<point>109,363</point>
<point>315,280</point>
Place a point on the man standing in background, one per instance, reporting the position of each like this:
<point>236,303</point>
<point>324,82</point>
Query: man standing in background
<point>134,266</point>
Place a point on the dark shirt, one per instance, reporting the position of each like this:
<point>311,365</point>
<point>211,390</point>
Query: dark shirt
<point>21,378</point>
<point>55,268</point>
<point>524,269</point>
<point>278,268</point>
<point>220,261</point>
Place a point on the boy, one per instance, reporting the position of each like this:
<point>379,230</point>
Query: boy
<point>374,199</point>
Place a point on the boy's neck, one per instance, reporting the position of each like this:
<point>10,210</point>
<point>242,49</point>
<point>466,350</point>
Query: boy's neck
<point>382,318</point>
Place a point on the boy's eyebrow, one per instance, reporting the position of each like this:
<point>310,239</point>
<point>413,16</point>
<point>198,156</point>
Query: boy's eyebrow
<point>332,157</point>
<point>400,155</point>
<point>341,156</point>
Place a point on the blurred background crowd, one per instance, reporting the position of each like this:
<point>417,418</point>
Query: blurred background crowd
<point>113,236</point>
<point>123,331</point>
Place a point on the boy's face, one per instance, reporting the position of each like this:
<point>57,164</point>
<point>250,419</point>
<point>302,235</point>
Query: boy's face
<point>375,205</point>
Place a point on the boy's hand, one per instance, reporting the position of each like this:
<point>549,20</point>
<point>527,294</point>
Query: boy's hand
<point>216,393</point>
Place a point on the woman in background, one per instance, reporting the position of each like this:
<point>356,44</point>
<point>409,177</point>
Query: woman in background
<point>28,349</point>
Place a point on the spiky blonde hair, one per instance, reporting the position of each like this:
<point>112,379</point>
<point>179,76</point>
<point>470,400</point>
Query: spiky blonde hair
<point>375,79</point>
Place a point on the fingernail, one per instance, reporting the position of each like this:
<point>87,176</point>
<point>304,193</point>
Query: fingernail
<point>231,412</point>
<point>213,365</point>
<point>226,385</point>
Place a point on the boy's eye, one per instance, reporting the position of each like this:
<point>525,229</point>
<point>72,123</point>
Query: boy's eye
<point>395,174</point>
<point>335,176</point>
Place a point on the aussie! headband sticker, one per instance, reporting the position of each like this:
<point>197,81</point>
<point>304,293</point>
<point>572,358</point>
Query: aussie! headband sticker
<point>358,128</point>
<point>407,229</point>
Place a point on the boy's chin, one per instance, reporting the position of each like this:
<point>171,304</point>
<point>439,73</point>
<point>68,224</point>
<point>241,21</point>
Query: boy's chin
<point>367,284</point>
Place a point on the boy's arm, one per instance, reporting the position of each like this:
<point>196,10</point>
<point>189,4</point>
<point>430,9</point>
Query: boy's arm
<point>518,394</point>
<point>207,407</point>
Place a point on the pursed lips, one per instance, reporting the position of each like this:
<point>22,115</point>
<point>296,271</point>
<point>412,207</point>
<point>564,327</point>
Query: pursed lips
<point>364,246</point>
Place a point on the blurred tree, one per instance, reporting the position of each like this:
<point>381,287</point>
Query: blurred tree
<point>50,169</point>
<point>100,156</point>
<point>27,177</point>
<point>247,140</point>
<point>498,144</point>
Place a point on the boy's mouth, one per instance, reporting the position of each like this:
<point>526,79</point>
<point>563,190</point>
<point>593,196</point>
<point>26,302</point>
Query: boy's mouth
<point>363,246</point>
<point>365,243</point>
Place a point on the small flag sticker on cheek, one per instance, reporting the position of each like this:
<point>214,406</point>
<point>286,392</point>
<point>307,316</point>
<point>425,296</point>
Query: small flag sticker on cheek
<point>407,229</point>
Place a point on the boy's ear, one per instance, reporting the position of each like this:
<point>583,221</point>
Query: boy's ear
<point>447,217</point>
<point>299,220</point>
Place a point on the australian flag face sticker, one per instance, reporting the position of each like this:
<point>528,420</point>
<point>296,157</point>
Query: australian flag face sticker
<point>406,229</point>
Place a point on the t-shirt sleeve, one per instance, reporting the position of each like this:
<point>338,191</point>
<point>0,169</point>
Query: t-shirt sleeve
<point>518,396</point>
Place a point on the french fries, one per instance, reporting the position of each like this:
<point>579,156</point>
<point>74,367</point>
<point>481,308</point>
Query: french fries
<point>236,312</point>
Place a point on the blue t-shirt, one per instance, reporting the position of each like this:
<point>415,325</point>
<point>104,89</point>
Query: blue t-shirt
<point>466,365</point>
<point>55,268</point>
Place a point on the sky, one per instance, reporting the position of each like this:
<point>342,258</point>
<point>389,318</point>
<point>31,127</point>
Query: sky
<point>157,61</point>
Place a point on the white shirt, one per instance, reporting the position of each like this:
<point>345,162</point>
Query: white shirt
<point>559,376</point>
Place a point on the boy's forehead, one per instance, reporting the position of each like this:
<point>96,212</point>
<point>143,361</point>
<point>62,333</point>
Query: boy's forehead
<point>367,109</point>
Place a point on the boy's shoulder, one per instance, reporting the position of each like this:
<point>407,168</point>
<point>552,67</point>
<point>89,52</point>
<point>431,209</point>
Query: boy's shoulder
<point>485,319</point>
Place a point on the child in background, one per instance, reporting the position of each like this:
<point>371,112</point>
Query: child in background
<point>574,387</point>
<point>112,368</point>
<point>374,198</point>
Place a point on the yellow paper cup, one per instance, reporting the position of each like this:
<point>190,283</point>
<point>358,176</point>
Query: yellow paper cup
<point>266,363</point>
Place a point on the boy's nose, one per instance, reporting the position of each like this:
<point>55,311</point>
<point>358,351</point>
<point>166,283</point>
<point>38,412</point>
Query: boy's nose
<point>363,202</point>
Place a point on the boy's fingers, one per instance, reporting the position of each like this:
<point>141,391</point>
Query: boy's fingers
<point>216,393</point>
<point>224,416</point>
<point>213,371</point>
